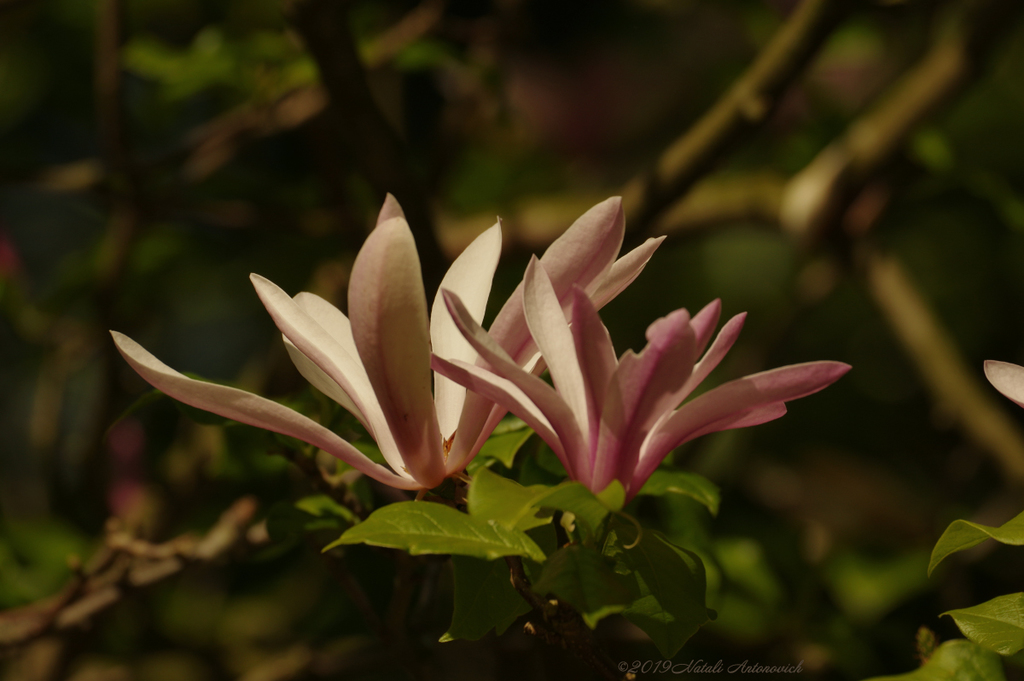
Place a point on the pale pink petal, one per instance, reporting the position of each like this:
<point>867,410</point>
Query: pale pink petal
<point>387,306</point>
<point>503,392</point>
<point>622,273</point>
<point>547,325</point>
<point>550,403</point>
<point>335,323</point>
<point>596,354</point>
<point>320,380</point>
<point>250,409</point>
<point>704,413</point>
<point>711,359</point>
<point>751,417</point>
<point>1006,378</point>
<point>390,209</point>
<point>704,323</point>
<point>641,391</point>
<point>322,348</point>
<point>469,277</point>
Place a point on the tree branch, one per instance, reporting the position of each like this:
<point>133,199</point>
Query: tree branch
<point>745,107</point>
<point>562,626</point>
<point>122,564</point>
<point>361,126</point>
<point>817,197</point>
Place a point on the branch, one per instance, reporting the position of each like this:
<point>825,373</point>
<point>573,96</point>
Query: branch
<point>817,197</point>
<point>746,106</point>
<point>360,124</point>
<point>123,563</point>
<point>562,626</point>
<point>954,385</point>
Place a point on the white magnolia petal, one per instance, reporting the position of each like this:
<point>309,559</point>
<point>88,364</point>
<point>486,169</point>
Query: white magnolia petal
<point>469,277</point>
<point>335,323</point>
<point>245,407</point>
<point>622,273</point>
<point>503,392</point>
<point>387,306</point>
<point>597,357</point>
<point>321,348</point>
<point>390,209</point>
<point>551,404</point>
<point>1007,378</point>
<point>321,381</point>
<point>546,321</point>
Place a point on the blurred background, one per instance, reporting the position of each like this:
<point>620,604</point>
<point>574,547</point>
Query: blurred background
<point>850,173</point>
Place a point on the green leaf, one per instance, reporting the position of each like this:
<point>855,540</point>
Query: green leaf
<point>668,584</point>
<point>665,481</point>
<point>997,624</point>
<point>582,577</point>
<point>423,527</point>
<point>577,499</point>
<point>963,534</point>
<point>322,506</point>
<point>484,599</point>
<point>501,446</point>
<point>492,497</point>
<point>957,660</point>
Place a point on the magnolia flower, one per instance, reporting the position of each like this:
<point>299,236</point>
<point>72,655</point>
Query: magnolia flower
<point>616,419</point>
<point>376,363</point>
<point>1006,378</point>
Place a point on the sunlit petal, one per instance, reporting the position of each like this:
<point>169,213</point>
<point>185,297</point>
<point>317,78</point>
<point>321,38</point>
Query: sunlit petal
<point>388,311</point>
<point>250,409</point>
<point>469,277</point>
<point>1006,378</point>
<point>622,273</point>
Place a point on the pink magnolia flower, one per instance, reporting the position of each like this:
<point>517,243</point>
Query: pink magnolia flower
<point>616,419</point>
<point>376,362</point>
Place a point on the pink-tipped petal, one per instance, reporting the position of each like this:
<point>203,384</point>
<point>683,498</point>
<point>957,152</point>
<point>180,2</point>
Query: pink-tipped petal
<point>1006,378</point>
<point>507,394</point>
<point>641,391</point>
<point>321,381</point>
<point>622,273</point>
<point>391,209</point>
<point>713,357</point>
<point>547,325</point>
<point>704,323</point>
<point>751,417</point>
<point>388,310</point>
<point>469,277</point>
<point>250,409</point>
<point>550,403</point>
<point>596,354</point>
<point>321,347</point>
<point>701,415</point>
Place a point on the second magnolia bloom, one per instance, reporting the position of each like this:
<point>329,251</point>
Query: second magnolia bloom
<point>616,419</point>
<point>376,361</point>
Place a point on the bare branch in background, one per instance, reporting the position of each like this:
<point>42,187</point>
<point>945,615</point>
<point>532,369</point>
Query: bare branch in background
<point>364,131</point>
<point>124,563</point>
<point>817,196</point>
<point>746,106</point>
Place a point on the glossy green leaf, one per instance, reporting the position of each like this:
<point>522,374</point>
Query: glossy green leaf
<point>322,506</point>
<point>484,599</point>
<point>963,534</point>
<point>582,577</point>
<point>665,481</point>
<point>503,445</point>
<point>423,527</point>
<point>668,585</point>
<point>997,624</point>
<point>589,509</point>
<point>492,497</point>
<point>957,660</point>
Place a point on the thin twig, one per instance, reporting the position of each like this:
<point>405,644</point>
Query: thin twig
<point>817,197</point>
<point>562,626</point>
<point>122,564</point>
<point>361,126</point>
<point>746,106</point>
